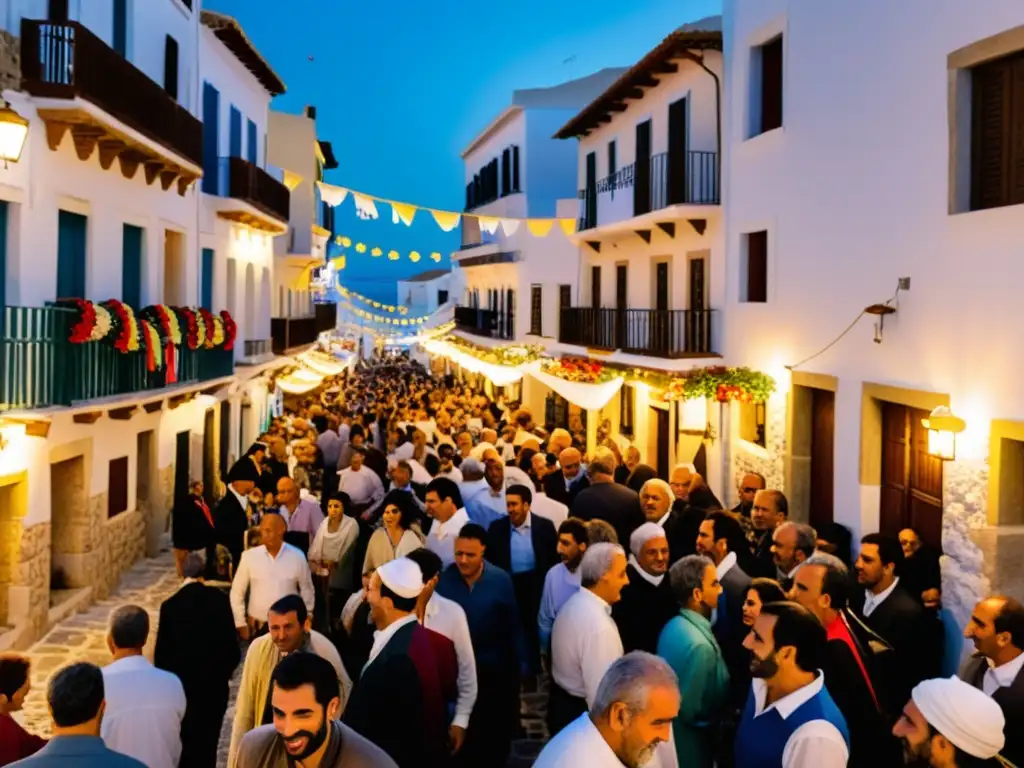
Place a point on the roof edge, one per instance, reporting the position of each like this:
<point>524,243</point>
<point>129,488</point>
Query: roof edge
<point>230,33</point>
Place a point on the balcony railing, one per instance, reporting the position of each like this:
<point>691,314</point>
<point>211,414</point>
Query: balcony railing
<point>657,183</point>
<point>664,333</point>
<point>254,348</point>
<point>492,323</point>
<point>40,368</point>
<point>255,186</point>
<point>290,332</point>
<point>65,60</point>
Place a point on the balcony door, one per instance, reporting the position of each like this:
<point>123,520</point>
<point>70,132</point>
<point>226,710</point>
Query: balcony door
<point>621,305</point>
<point>659,323</point>
<point>590,193</point>
<point>642,173</point>
<point>235,133</point>
<point>677,152</point>
<point>71,255</point>
<point>211,135</point>
<point>698,320</point>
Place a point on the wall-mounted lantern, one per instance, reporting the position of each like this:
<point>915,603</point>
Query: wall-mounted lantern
<point>13,132</point>
<point>943,427</point>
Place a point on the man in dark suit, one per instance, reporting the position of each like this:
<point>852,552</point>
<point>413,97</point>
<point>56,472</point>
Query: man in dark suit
<point>890,611</point>
<point>604,500</point>
<point>770,510</point>
<point>647,602</point>
<point>565,483</point>
<point>230,516</point>
<point>197,642</point>
<point>525,546</point>
<point>997,629</point>
<point>921,574</point>
<point>822,586</point>
<point>192,528</point>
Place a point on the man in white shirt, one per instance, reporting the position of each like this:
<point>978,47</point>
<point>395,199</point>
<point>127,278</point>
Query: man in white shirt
<point>145,705</point>
<point>543,505</point>
<point>444,505</point>
<point>629,721</point>
<point>472,479</point>
<point>362,484</point>
<point>563,580</point>
<point>268,572</point>
<point>584,639</point>
<point>447,617</point>
<point>790,720</point>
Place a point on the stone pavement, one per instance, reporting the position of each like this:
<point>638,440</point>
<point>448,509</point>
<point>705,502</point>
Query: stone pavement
<point>82,637</point>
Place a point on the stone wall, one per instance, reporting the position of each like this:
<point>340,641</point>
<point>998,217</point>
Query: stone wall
<point>79,544</point>
<point>10,61</point>
<point>769,461</point>
<point>125,536</point>
<point>33,576</point>
<point>161,501</point>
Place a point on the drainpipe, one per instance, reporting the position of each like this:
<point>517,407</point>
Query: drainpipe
<point>699,61</point>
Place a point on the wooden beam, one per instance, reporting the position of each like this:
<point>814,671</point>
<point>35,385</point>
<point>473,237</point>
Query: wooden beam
<point>167,178</point>
<point>699,225</point>
<point>55,130</point>
<point>184,182</point>
<point>645,235</point>
<point>130,162</point>
<point>153,407</point>
<point>110,150</point>
<point>646,81</point>
<point>152,169</point>
<point>617,106</point>
<point>665,68</point>
<point>633,93</point>
<point>85,137</point>
<point>595,244</point>
<point>668,227</point>
<point>604,119</point>
<point>177,400</point>
<point>90,417</point>
<point>33,428</point>
<point>121,414</point>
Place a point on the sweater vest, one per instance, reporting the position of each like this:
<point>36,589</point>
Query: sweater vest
<point>761,741</point>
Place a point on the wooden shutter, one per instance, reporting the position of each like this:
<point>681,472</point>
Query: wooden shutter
<point>595,287</point>
<point>207,284</point>
<point>235,133</point>
<point>3,259</point>
<point>71,250</point>
<point>536,310</point>
<point>506,172</point>
<point>131,266</point>
<point>515,169</point>
<point>117,490</point>
<point>771,85</point>
<point>252,153</point>
<point>121,27</point>
<point>211,138</point>
<point>757,266</point>
<point>171,67</point>
<point>990,132</point>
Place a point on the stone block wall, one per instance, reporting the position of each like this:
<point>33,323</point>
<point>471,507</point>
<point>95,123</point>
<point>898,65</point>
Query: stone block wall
<point>125,537</point>
<point>771,466</point>
<point>10,61</point>
<point>33,574</point>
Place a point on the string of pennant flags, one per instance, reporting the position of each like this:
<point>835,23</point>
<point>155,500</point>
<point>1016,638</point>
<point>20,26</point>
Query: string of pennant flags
<point>414,256</point>
<point>405,213</point>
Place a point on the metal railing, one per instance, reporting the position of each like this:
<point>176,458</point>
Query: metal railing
<point>655,184</point>
<point>492,323</point>
<point>40,367</point>
<point>664,333</point>
<point>255,186</point>
<point>65,60</point>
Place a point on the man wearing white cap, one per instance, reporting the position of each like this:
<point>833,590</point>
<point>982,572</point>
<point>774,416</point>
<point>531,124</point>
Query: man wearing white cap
<point>647,602</point>
<point>400,701</point>
<point>950,724</point>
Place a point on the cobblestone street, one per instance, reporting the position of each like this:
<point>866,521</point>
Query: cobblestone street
<point>82,637</point>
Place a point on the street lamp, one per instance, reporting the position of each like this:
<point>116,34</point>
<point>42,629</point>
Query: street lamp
<point>13,132</point>
<point>943,427</point>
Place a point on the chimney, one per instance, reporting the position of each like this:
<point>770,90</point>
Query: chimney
<point>311,113</point>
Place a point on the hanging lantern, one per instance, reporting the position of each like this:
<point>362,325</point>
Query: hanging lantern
<point>13,132</point>
<point>943,427</point>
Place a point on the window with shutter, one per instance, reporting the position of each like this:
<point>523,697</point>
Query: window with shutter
<point>506,172</point>
<point>207,282</point>
<point>252,143</point>
<point>171,67</point>
<point>117,492</point>
<point>515,170</point>
<point>595,287</point>
<point>131,266</point>
<point>536,310</point>
<point>997,133</point>
<point>757,267</point>
<point>768,59</point>
<point>121,27</point>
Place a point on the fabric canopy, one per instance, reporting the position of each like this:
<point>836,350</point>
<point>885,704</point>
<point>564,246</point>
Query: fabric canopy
<point>590,397</point>
<point>499,375</point>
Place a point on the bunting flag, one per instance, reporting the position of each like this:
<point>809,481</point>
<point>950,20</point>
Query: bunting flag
<point>366,208</point>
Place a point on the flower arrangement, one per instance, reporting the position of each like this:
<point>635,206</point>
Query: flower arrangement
<point>218,335</point>
<point>151,338</point>
<point>511,355</point>
<point>230,330</point>
<point>165,321</point>
<point>580,370</point>
<point>126,326</point>
<point>195,335</point>
<point>209,327</point>
<point>85,325</point>
<point>721,384</point>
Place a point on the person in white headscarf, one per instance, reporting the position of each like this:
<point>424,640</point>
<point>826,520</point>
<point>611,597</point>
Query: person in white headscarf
<point>951,724</point>
<point>647,602</point>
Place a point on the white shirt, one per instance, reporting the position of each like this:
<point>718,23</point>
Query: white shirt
<point>268,579</point>
<point>872,601</point>
<point>584,643</point>
<point>447,618</point>
<point>454,474</point>
<point>553,510</point>
<point>816,743</point>
<point>145,706</point>
<point>362,486</point>
<point>441,539</point>
<point>581,744</point>
<point>382,636</point>
<point>1000,677</point>
<point>725,566</point>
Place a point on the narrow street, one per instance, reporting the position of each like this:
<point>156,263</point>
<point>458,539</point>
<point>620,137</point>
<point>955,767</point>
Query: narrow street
<point>82,637</point>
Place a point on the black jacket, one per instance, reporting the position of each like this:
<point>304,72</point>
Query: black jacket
<point>1010,699</point>
<point>231,522</point>
<point>196,637</point>
<point>545,544</point>
<point>554,487</point>
<point>921,572</point>
<point>730,631</point>
<point>763,562</point>
<point>643,611</point>
<point>190,530</point>
<point>615,504</point>
<point>681,529</point>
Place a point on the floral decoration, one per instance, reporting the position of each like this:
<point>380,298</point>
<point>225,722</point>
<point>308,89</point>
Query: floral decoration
<point>126,328</point>
<point>230,329</point>
<point>722,384</point>
<point>151,338</point>
<point>209,327</point>
<point>580,370</point>
<point>511,355</point>
<point>165,321</point>
<point>82,330</point>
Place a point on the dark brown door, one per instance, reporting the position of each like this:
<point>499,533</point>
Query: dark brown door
<point>698,319</point>
<point>911,479</point>
<point>678,189</point>
<point>823,411</point>
<point>595,287</point>
<point>621,304</point>
<point>661,286</point>
<point>642,170</point>
<point>590,193</point>
<point>659,323</point>
<point>181,468</point>
<point>659,420</point>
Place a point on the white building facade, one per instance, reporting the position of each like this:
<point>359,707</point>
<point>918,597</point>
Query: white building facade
<point>426,292</point>
<point>106,203</point>
<point>845,173</point>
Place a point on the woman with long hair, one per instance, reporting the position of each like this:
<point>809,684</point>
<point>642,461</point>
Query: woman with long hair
<point>396,537</point>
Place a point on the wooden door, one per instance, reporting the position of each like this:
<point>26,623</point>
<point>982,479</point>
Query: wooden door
<point>595,287</point>
<point>698,320</point>
<point>181,466</point>
<point>590,192</point>
<point>823,409</point>
<point>621,304</point>
<point>657,441</point>
<point>677,153</point>
<point>642,170</point>
<point>660,325</point>
<point>225,438</point>
<point>911,493</point>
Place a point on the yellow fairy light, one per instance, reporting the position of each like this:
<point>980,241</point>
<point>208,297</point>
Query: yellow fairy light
<point>435,256</point>
<point>414,256</point>
<point>393,255</point>
<point>376,251</point>
<point>360,247</point>
<point>376,305</point>
<point>344,242</point>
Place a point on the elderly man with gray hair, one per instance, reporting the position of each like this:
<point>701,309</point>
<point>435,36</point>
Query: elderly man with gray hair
<point>606,500</point>
<point>629,721</point>
<point>792,544</point>
<point>647,602</point>
<point>145,705</point>
<point>584,639</point>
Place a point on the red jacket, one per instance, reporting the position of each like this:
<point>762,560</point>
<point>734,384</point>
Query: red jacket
<point>15,742</point>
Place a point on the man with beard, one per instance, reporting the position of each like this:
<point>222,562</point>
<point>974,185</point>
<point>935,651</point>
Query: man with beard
<point>656,498</point>
<point>750,484</point>
<point>563,580</point>
<point>770,510</point>
<point>948,723</point>
<point>689,646</point>
<point>305,699</point>
<point>569,479</point>
<point>792,545</point>
<point>631,717</point>
<point>997,629</point>
<point>790,720</point>
<point>647,602</point>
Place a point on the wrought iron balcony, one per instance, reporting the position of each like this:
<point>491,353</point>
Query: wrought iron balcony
<point>290,332</point>
<point>667,333</point>
<point>41,368</point>
<point>66,61</point>
<point>657,183</point>
<point>258,188</point>
<point>491,323</point>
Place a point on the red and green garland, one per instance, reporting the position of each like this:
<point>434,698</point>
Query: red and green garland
<point>580,370</point>
<point>230,329</point>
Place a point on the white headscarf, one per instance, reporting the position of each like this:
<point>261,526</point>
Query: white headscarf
<point>963,714</point>
<point>641,536</point>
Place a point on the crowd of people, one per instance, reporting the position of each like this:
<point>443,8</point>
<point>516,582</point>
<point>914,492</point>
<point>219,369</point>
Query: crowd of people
<point>402,557</point>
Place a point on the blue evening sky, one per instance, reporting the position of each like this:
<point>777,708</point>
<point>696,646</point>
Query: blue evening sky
<point>402,86</point>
